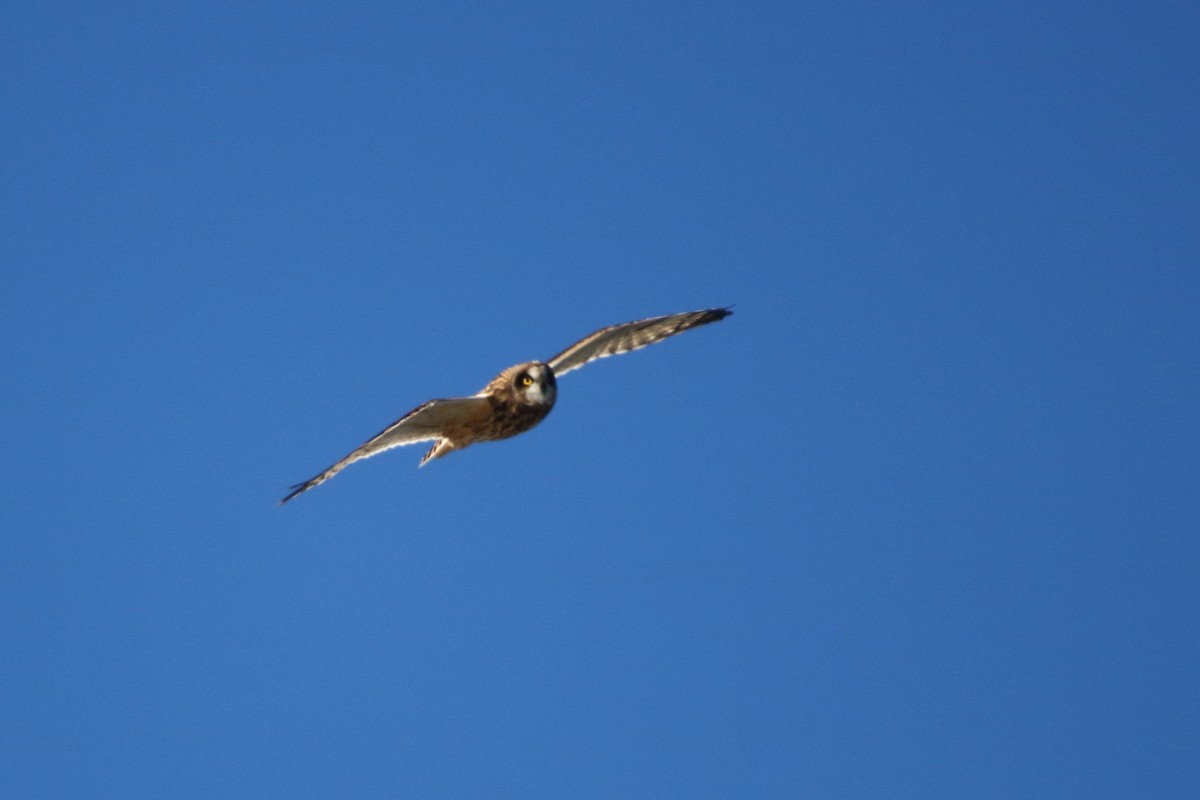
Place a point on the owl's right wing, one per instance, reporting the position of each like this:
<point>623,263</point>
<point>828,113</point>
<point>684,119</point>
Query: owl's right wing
<point>425,422</point>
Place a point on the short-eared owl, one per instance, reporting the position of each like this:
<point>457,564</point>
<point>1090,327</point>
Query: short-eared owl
<point>515,400</point>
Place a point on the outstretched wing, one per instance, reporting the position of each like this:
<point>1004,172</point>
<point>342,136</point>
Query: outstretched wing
<point>427,421</point>
<point>631,336</point>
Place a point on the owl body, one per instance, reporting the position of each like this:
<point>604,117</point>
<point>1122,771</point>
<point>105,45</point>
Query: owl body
<point>518,399</point>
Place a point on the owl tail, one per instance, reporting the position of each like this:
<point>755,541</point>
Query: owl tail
<point>440,448</point>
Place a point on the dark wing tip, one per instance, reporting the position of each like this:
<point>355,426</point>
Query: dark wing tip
<point>299,488</point>
<point>698,318</point>
<point>716,314</point>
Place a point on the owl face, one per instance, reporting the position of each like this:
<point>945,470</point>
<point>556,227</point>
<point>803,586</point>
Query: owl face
<point>534,384</point>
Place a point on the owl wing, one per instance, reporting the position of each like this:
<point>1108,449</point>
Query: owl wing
<point>631,336</point>
<point>427,421</point>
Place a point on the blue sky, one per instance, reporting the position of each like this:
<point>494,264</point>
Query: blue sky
<point>919,520</point>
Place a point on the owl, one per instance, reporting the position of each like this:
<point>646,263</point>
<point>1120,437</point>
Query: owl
<point>515,400</point>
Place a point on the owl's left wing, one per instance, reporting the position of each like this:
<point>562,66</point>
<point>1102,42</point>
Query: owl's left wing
<point>629,336</point>
<point>427,421</point>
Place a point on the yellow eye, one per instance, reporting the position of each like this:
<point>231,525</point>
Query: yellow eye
<point>526,380</point>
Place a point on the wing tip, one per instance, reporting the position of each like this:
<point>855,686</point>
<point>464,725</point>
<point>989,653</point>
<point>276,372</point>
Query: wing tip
<point>705,316</point>
<point>717,314</point>
<point>296,490</point>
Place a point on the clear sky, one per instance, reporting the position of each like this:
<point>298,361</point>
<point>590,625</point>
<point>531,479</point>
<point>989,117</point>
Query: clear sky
<point>918,521</point>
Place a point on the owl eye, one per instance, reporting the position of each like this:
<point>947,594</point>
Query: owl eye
<point>526,380</point>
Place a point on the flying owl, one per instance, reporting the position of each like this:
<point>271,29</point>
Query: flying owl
<point>515,400</point>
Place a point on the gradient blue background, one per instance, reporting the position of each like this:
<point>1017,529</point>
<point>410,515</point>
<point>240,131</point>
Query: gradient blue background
<point>919,520</point>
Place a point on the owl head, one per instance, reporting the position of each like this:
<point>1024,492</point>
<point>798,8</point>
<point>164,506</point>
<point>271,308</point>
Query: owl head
<point>533,384</point>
